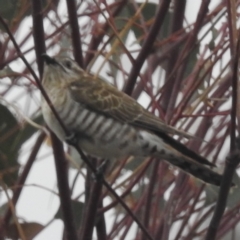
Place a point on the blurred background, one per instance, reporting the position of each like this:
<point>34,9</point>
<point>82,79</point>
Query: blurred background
<point>174,58</point>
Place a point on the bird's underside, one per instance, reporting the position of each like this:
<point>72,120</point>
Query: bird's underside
<point>110,124</point>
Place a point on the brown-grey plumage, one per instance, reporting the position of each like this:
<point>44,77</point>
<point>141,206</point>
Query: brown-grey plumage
<point>111,124</point>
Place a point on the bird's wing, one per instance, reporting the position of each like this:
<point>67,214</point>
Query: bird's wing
<point>104,98</point>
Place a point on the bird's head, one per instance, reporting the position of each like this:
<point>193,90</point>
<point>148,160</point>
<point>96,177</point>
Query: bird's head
<point>60,69</point>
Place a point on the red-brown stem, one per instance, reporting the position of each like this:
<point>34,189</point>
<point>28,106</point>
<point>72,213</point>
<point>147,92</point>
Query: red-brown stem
<point>21,180</point>
<point>75,32</point>
<point>147,45</point>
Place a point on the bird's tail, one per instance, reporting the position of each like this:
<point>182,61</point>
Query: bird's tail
<point>167,148</point>
<point>192,167</point>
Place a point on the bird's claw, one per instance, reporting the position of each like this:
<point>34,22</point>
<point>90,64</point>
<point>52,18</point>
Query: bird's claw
<point>72,138</point>
<point>98,175</point>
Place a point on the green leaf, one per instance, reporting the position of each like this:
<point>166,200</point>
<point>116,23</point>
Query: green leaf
<point>8,8</point>
<point>134,163</point>
<point>30,230</point>
<point>234,194</point>
<point>75,157</point>
<point>192,59</point>
<point>27,131</point>
<point>77,208</point>
<point>233,197</point>
<point>215,34</point>
<point>113,69</point>
<point>211,194</point>
<point>3,209</point>
<point>148,13</point>
<point>7,71</point>
<point>12,136</point>
<point>14,11</point>
<point>9,129</point>
<point>121,20</point>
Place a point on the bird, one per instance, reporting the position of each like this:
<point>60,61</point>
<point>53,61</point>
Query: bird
<point>109,124</point>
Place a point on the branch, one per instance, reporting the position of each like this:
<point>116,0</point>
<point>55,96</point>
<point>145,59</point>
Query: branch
<point>232,20</point>
<point>91,211</point>
<point>231,164</point>
<point>234,159</point>
<point>63,187</point>
<point>38,33</point>
<point>109,188</point>
<point>58,152</point>
<point>124,205</point>
<point>177,24</point>
<point>20,183</point>
<point>149,200</point>
<point>235,100</point>
<point>101,224</point>
<point>96,40</point>
<point>181,63</point>
<point>147,46</point>
<point>76,40</point>
<point>20,54</point>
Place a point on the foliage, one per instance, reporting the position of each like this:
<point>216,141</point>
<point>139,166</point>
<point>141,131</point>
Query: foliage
<point>180,70</point>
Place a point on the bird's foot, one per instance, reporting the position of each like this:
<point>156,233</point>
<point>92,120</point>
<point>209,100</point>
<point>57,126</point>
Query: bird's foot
<point>72,138</point>
<point>99,174</point>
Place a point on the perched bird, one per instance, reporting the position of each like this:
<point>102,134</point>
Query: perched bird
<point>110,124</point>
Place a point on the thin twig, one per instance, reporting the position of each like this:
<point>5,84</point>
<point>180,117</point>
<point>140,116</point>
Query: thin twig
<point>91,211</point>
<point>124,205</point>
<point>149,198</point>
<point>98,35</point>
<point>76,40</point>
<point>230,168</point>
<point>13,210</point>
<point>21,181</point>
<point>120,200</point>
<point>181,62</point>
<point>178,17</point>
<point>63,186</point>
<point>38,33</point>
<point>232,161</point>
<point>58,152</point>
<point>101,224</point>
<point>147,46</point>
<point>43,92</point>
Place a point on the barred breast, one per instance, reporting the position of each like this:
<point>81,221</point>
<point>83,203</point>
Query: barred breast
<point>98,135</point>
<point>101,134</point>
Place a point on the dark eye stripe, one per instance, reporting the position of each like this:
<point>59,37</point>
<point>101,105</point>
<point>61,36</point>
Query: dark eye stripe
<point>68,64</point>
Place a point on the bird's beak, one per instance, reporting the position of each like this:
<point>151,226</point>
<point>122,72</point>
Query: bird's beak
<point>49,60</point>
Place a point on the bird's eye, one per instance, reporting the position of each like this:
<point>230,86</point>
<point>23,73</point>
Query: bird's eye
<point>68,64</point>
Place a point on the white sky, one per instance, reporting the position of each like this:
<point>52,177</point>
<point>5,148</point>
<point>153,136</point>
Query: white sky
<point>38,204</point>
